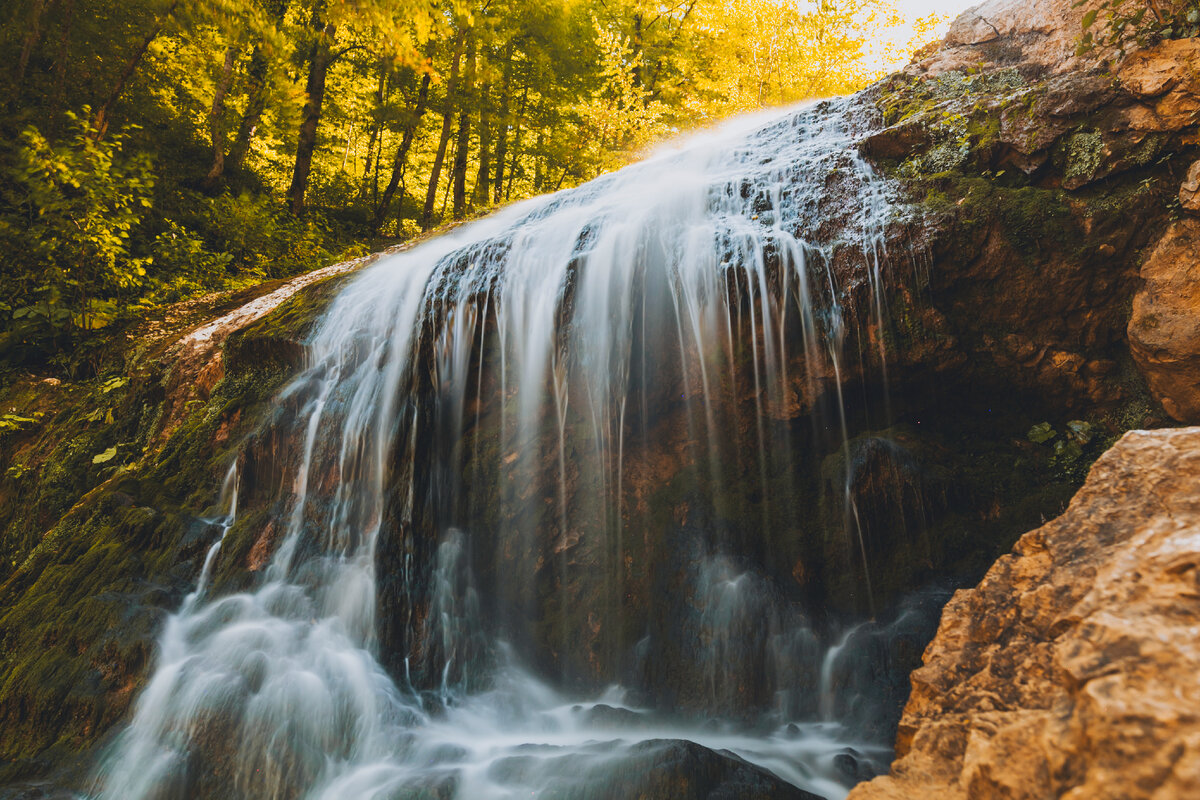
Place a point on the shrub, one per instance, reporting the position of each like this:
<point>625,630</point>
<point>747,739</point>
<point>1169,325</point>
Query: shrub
<point>68,215</point>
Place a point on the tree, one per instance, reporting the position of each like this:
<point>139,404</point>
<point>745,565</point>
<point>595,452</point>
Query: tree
<point>440,107</point>
<point>320,58</point>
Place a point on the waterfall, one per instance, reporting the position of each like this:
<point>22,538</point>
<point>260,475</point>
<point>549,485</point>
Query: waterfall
<point>559,449</point>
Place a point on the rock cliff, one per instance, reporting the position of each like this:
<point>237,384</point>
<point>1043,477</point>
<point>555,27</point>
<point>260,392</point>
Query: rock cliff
<point>1070,670</point>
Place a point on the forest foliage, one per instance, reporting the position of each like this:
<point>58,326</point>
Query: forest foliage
<point>152,150</point>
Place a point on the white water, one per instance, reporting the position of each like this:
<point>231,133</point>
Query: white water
<point>281,689</point>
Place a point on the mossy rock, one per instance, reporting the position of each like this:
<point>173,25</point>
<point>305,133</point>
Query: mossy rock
<point>99,551</point>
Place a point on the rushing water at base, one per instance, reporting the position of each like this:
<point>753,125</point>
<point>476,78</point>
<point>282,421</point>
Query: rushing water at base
<point>540,348</point>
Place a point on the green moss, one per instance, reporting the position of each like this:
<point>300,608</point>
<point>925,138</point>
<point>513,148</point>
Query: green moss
<point>1148,149</point>
<point>1083,154</point>
<point>99,552</point>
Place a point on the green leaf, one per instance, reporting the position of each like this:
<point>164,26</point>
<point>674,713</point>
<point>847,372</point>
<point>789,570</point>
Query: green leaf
<point>106,456</point>
<point>1089,18</point>
<point>1041,433</point>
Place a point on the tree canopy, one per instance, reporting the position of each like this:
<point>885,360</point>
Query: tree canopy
<point>154,149</point>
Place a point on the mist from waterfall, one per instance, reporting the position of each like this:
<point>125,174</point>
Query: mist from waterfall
<point>461,565</point>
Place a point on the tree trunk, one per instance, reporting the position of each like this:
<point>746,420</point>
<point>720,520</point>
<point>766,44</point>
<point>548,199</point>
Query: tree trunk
<point>539,163</point>
<point>652,86</point>
<point>463,145</point>
<point>406,140</point>
<point>256,104</point>
<point>306,143</point>
<point>447,120</point>
<point>216,118</point>
<point>636,45</point>
<point>349,145</point>
<point>60,64</point>
<point>32,36</point>
<point>481,193</point>
<point>459,169</point>
<point>373,141</point>
<point>256,95</point>
<point>103,116</point>
<point>450,183</point>
<point>512,167</point>
<point>502,126</point>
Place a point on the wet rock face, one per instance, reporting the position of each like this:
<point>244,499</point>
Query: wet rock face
<point>1043,183</point>
<point>878,502</point>
<point>1070,671</point>
<point>83,604</point>
<point>1164,328</point>
<point>657,769</point>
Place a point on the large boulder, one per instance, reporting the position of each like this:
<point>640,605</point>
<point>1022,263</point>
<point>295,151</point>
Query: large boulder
<point>1164,328</point>
<point>1035,34</point>
<point>1071,670</point>
<point>656,769</point>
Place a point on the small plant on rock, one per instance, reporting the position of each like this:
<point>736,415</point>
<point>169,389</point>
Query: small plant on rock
<point>1138,22</point>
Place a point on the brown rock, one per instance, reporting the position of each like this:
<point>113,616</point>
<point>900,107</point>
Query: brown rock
<point>897,141</point>
<point>199,360</point>
<point>1038,35</point>
<point>1156,70</point>
<point>1189,191</point>
<point>1071,670</point>
<point>1167,77</point>
<point>1164,329</point>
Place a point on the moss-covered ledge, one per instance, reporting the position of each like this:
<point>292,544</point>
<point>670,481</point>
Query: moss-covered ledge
<point>104,525</point>
<point>1031,200</point>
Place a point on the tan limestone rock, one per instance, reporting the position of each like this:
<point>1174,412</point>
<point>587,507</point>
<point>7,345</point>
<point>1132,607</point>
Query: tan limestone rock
<point>1164,328</point>
<point>1160,69</point>
<point>1040,34</point>
<point>1189,191</point>
<point>1073,669</point>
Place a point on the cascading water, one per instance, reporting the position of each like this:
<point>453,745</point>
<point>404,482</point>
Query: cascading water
<point>560,442</point>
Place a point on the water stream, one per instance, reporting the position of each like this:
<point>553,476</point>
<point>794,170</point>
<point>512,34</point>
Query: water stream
<point>472,557</point>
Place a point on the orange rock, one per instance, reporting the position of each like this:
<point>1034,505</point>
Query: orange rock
<point>1071,670</point>
<point>1039,34</point>
<point>1160,69</point>
<point>1189,191</point>
<point>1164,329</point>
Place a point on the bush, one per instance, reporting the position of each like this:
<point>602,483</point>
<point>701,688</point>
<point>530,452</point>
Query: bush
<point>184,266</point>
<point>68,215</point>
<point>86,244</point>
<point>263,240</point>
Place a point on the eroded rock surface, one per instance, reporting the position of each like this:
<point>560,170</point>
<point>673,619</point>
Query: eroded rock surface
<point>1164,329</point>
<point>1036,34</point>
<point>1189,190</point>
<point>199,357</point>
<point>1071,671</point>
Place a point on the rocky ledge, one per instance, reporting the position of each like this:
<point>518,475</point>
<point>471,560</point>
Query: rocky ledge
<point>1070,671</point>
